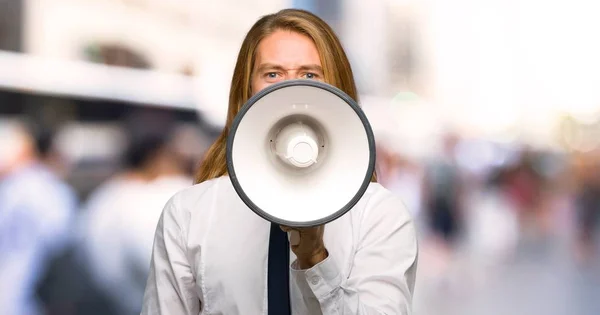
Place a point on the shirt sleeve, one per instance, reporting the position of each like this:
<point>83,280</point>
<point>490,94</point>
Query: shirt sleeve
<point>170,288</point>
<point>382,278</point>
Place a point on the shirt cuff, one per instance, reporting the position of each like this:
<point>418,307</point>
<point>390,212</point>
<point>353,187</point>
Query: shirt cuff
<point>321,280</point>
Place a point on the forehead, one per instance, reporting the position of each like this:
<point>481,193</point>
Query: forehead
<point>288,49</point>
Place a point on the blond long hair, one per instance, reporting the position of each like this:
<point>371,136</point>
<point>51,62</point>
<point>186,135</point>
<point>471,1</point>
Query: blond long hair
<point>336,71</point>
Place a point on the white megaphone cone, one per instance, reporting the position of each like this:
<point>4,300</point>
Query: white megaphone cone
<point>300,153</point>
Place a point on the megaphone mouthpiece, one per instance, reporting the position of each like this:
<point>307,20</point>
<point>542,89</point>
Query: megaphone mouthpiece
<point>297,144</point>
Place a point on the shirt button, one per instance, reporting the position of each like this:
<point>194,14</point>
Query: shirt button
<point>315,280</point>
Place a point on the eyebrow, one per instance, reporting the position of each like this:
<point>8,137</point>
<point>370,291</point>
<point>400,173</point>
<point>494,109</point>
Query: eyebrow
<point>267,66</point>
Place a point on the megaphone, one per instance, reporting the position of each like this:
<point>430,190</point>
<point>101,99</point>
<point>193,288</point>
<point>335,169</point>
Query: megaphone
<point>300,153</point>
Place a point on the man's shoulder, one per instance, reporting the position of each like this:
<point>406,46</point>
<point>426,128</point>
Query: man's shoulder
<point>197,194</point>
<point>380,201</point>
<point>377,192</point>
<point>196,204</point>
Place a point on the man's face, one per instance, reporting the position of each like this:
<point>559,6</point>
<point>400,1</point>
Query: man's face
<point>285,55</point>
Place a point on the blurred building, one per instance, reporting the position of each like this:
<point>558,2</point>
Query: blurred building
<point>11,25</point>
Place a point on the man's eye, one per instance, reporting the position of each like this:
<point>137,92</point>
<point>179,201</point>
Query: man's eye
<point>271,75</point>
<point>310,75</point>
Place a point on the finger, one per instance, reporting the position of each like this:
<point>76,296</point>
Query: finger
<point>294,237</point>
<point>285,228</point>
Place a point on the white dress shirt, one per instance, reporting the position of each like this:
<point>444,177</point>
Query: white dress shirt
<point>210,257</point>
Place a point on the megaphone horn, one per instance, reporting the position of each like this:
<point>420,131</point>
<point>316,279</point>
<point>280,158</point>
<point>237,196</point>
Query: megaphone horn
<point>300,153</point>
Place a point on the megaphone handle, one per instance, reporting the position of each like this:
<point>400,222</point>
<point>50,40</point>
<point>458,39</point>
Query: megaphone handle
<point>294,237</point>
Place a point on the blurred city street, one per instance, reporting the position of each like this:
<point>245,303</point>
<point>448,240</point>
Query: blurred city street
<point>486,116</point>
<point>539,279</point>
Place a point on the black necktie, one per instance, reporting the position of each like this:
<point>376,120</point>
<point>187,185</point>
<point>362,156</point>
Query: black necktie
<point>278,272</point>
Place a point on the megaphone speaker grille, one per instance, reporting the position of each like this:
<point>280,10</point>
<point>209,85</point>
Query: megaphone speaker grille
<point>300,153</point>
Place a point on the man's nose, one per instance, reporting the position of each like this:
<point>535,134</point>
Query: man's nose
<point>291,74</point>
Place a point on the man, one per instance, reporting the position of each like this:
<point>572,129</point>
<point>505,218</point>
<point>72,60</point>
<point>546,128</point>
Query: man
<point>36,212</point>
<point>211,252</point>
<point>119,218</point>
